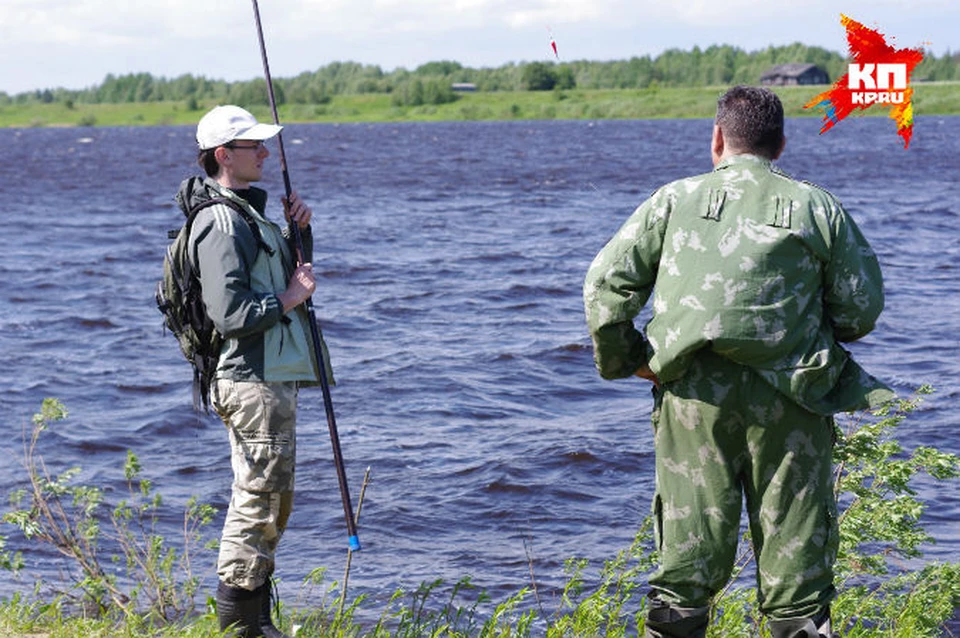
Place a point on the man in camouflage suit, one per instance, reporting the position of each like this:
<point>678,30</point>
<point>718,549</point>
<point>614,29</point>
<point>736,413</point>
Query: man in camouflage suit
<point>254,287</point>
<point>756,278</point>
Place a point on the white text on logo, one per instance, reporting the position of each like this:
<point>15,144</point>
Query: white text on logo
<point>868,83</point>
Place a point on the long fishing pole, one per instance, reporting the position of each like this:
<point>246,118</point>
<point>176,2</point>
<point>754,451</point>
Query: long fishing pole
<point>354,540</point>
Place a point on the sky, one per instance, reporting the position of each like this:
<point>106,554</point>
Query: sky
<point>74,44</point>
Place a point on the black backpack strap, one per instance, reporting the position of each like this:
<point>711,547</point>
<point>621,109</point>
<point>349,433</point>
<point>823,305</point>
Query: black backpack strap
<point>247,217</point>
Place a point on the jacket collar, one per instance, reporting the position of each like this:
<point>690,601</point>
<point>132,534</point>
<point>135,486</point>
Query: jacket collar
<point>745,158</point>
<point>195,190</point>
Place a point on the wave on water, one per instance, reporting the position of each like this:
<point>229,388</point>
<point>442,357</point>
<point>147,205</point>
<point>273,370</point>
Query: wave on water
<point>450,259</point>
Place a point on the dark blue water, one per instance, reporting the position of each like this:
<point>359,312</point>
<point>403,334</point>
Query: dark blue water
<point>450,262</point>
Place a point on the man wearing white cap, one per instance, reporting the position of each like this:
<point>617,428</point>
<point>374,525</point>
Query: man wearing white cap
<point>253,290</point>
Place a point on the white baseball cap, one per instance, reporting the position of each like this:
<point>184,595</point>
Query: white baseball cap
<point>223,124</point>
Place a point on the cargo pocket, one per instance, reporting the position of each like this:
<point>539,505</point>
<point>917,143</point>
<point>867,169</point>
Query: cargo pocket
<point>262,435</point>
<point>224,400</point>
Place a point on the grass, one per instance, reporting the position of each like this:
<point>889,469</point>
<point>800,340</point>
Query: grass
<point>880,595</point>
<point>937,98</point>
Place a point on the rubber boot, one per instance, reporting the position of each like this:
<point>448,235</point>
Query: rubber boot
<point>668,621</point>
<point>239,609</point>
<point>816,627</point>
<point>266,623</point>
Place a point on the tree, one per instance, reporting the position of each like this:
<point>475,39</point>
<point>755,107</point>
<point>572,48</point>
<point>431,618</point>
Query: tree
<point>538,76</point>
<point>443,67</point>
<point>565,78</point>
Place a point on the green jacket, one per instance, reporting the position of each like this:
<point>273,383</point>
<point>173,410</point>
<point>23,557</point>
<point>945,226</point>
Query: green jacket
<point>767,271</point>
<point>240,278</point>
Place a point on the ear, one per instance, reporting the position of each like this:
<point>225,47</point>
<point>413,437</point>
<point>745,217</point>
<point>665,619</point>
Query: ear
<point>783,143</point>
<point>717,144</point>
<point>221,154</point>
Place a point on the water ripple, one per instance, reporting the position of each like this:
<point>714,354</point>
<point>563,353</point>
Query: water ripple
<point>449,261</point>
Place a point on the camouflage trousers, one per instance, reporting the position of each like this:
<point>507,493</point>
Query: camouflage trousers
<point>261,422</point>
<point>722,435</point>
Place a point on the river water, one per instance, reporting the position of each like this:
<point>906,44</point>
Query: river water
<point>450,258</point>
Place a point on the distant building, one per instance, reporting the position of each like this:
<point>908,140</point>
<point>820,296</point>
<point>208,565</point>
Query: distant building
<point>463,86</point>
<point>793,74</point>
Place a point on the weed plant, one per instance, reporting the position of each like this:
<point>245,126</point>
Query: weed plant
<point>885,587</point>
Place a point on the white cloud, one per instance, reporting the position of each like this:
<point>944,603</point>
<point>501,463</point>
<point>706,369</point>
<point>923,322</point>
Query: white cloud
<point>75,43</point>
<point>106,23</point>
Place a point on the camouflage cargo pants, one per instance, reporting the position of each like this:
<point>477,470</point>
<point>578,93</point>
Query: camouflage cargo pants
<point>721,435</point>
<point>261,422</point>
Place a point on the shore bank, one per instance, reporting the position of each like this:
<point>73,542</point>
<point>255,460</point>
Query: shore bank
<point>941,98</point>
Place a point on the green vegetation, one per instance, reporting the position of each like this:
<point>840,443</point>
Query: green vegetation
<point>654,103</point>
<point>673,84</point>
<point>885,587</point>
<point>159,584</point>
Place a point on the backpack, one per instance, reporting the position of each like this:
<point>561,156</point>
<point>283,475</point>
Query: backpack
<point>180,300</point>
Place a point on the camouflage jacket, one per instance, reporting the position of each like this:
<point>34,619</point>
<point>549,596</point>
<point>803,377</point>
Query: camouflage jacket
<point>767,271</point>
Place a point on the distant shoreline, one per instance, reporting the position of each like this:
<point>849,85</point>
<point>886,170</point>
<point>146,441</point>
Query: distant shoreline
<point>935,98</point>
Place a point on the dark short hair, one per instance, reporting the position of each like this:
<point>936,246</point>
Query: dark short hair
<point>208,162</point>
<point>751,119</point>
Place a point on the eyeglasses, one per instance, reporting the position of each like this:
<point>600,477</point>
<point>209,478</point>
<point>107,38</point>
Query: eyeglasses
<point>256,147</point>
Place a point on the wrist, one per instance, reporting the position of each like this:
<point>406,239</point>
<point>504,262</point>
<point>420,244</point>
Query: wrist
<point>287,303</point>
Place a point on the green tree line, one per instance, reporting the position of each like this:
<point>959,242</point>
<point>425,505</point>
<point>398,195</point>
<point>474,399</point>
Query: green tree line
<point>431,83</point>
